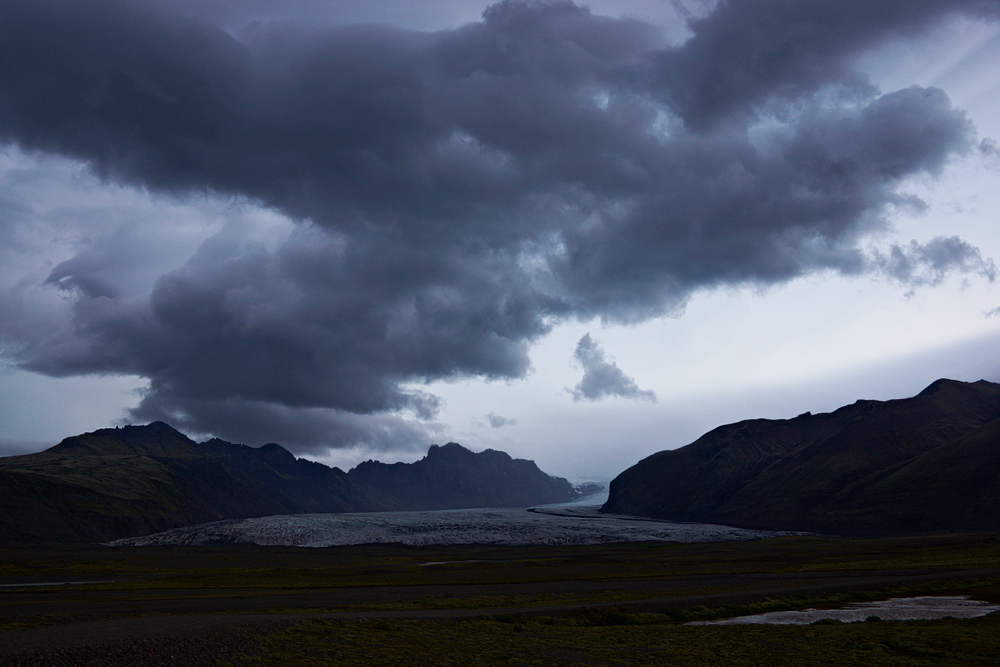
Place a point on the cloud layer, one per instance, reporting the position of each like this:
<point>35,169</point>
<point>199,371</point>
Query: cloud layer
<point>456,193</point>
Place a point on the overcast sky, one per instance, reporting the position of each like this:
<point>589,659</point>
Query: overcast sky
<point>580,233</point>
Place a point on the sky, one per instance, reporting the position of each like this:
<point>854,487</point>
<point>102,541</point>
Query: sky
<point>579,233</point>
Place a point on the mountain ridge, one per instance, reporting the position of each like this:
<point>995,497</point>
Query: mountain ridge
<point>450,473</point>
<point>833,472</point>
<point>135,480</point>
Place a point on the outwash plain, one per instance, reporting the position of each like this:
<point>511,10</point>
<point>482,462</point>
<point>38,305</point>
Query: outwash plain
<point>553,525</point>
<point>611,604</point>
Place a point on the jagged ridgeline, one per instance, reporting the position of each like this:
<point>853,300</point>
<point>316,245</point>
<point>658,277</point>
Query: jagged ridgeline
<point>137,480</point>
<point>923,464</point>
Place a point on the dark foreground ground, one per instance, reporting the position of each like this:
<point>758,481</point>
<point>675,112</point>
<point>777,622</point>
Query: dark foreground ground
<point>620,604</point>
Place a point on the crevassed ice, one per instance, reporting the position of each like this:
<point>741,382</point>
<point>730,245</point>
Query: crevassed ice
<point>505,526</point>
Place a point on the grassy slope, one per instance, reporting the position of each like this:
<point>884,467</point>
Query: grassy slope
<point>104,498</point>
<point>111,483</point>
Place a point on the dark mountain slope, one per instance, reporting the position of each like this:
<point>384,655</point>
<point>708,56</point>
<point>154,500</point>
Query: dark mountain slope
<point>309,487</point>
<point>138,480</point>
<point>106,484</point>
<point>960,480</point>
<point>860,470</point>
<point>451,477</point>
<point>156,439</point>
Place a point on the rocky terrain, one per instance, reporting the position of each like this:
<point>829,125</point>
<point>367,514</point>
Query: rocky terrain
<point>137,480</point>
<point>924,464</point>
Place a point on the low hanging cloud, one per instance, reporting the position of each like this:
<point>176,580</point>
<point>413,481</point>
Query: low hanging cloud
<point>454,194</point>
<point>498,421</point>
<point>602,378</point>
<point>929,264</point>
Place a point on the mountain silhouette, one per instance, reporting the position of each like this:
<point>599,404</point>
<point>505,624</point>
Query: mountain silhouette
<point>136,480</point>
<point>922,464</point>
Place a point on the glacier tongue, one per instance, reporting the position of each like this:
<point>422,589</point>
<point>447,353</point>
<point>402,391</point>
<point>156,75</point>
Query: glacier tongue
<point>552,524</point>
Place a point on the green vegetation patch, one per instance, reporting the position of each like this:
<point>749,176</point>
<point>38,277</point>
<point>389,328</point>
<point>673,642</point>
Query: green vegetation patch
<point>374,565</point>
<point>546,641</point>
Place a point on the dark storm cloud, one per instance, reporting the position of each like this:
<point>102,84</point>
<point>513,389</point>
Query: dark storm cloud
<point>748,54</point>
<point>236,14</point>
<point>299,429</point>
<point>603,378</point>
<point>458,192</point>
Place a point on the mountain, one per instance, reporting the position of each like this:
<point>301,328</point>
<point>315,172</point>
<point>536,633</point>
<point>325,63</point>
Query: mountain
<point>136,480</point>
<point>451,477</point>
<point>307,486</point>
<point>127,481</point>
<point>921,464</point>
